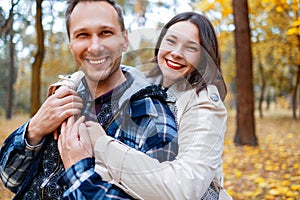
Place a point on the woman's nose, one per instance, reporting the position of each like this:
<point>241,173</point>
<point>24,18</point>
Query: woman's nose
<point>177,52</point>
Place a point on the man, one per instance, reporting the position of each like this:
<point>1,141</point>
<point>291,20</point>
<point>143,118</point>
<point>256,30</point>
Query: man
<point>127,107</point>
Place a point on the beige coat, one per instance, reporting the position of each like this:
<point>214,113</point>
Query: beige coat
<point>201,128</point>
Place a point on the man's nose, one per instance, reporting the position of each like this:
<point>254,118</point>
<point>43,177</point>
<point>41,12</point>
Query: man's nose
<point>95,44</point>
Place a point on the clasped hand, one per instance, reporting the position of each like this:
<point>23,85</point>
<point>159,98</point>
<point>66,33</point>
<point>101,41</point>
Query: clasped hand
<point>77,139</point>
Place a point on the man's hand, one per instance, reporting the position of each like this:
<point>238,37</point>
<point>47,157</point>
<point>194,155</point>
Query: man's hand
<point>73,148</point>
<point>57,108</point>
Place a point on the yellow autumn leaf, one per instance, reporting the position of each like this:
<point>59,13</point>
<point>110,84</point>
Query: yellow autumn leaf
<point>296,166</point>
<point>296,22</point>
<point>291,194</point>
<point>285,183</point>
<point>238,174</point>
<point>205,6</point>
<point>259,180</point>
<point>279,9</point>
<point>295,187</point>
<point>274,192</point>
<point>293,31</point>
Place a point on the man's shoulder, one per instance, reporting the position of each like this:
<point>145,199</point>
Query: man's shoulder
<point>150,100</point>
<point>150,91</point>
<point>139,79</point>
<point>140,87</point>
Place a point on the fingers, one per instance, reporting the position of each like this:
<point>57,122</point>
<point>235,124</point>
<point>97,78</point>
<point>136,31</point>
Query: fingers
<point>60,138</point>
<point>85,139</point>
<point>68,99</point>
<point>63,91</point>
<point>95,128</point>
<point>95,131</point>
<point>58,107</point>
<point>92,124</point>
<point>71,147</point>
<point>55,135</point>
<point>79,121</point>
<point>66,106</point>
<point>71,128</point>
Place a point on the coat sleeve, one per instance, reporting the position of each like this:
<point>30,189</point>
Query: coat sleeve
<point>16,159</point>
<point>71,81</point>
<point>202,122</point>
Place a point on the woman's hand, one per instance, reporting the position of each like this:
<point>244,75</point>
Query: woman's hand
<point>95,131</point>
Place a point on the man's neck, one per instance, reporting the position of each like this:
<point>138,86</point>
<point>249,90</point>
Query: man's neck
<point>102,87</point>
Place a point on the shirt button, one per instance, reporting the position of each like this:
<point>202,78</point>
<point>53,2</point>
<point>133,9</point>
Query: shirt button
<point>214,97</point>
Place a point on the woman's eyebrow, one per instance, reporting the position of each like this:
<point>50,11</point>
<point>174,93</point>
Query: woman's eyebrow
<point>175,36</point>
<point>193,42</point>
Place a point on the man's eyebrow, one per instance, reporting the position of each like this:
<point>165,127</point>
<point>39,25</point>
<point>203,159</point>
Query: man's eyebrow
<point>79,30</point>
<point>107,27</point>
<point>99,27</point>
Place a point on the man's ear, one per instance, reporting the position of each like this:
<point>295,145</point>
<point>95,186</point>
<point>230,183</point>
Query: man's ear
<point>70,47</point>
<point>126,42</point>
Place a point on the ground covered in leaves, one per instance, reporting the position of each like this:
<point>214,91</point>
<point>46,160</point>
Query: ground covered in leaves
<point>268,171</point>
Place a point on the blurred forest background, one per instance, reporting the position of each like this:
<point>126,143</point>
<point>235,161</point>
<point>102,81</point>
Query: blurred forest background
<point>260,47</point>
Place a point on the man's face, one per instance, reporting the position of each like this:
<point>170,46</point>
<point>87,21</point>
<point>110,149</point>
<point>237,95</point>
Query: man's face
<point>96,41</point>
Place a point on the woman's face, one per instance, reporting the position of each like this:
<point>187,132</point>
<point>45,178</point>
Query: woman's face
<point>179,52</point>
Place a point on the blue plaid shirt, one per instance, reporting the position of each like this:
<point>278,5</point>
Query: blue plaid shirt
<point>142,121</point>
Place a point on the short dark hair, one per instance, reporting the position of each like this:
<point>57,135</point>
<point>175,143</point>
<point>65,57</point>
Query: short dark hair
<point>72,3</point>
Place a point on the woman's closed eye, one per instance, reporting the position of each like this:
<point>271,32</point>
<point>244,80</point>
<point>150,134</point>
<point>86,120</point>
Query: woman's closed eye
<point>170,41</point>
<point>192,48</point>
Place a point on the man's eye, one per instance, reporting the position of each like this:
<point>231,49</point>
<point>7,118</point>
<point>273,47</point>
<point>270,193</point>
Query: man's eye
<point>81,35</point>
<point>106,33</point>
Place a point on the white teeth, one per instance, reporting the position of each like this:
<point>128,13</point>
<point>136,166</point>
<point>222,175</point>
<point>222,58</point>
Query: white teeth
<point>97,62</point>
<point>173,64</point>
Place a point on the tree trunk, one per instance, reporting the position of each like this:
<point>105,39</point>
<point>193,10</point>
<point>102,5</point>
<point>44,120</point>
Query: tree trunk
<point>295,93</point>
<point>37,64</point>
<point>245,133</point>
<point>10,92</point>
<point>7,29</point>
<point>262,88</point>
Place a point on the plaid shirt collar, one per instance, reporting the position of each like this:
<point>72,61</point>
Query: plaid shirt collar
<point>104,107</point>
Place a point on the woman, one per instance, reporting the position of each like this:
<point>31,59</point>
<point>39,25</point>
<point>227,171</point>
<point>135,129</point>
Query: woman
<point>188,67</point>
